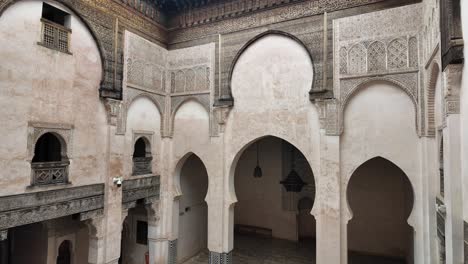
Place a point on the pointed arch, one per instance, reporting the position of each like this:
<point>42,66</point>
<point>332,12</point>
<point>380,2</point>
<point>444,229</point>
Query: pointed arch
<point>252,41</point>
<point>232,168</point>
<point>129,102</point>
<point>355,90</point>
<point>178,169</point>
<point>180,103</point>
<point>383,199</point>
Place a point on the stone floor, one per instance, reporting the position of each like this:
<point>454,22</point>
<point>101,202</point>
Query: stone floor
<point>255,250</point>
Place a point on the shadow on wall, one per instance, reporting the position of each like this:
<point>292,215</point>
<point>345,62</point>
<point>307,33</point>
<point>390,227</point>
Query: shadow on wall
<point>193,210</point>
<point>381,199</point>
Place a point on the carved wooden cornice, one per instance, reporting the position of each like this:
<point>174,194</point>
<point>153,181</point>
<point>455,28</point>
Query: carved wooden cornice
<point>146,188</point>
<point>23,209</point>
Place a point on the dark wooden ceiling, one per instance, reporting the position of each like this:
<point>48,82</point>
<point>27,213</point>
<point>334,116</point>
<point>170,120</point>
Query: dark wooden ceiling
<point>172,6</point>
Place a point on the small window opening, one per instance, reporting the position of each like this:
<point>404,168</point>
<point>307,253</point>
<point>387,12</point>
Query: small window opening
<point>142,233</point>
<point>47,149</point>
<point>55,28</point>
<point>142,158</point>
<point>55,15</point>
<point>50,163</point>
<point>140,148</point>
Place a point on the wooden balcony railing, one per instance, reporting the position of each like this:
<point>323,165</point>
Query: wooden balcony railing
<point>48,173</point>
<point>142,166</point>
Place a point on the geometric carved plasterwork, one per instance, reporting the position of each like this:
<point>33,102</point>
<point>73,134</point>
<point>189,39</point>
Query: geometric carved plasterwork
<point>380,55</point>
<point>413,52</point>
<point>376,56</point>
<point>145,63</point>
<point>343,61</point>
<point>397,54</point>
<point>190,80</point>
<point>144,74</point>
<point>357,59</point>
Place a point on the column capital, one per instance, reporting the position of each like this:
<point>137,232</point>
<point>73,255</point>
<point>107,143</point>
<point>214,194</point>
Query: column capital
<point>153,211</point>
<point>96,227</point>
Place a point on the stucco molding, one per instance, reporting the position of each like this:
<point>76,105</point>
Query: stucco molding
<point>63,131</point>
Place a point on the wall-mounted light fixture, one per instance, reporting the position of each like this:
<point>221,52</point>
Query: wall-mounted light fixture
<point>258,173</point>
<point>293,183</point>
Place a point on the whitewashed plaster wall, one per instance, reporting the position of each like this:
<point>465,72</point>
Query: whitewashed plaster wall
<point>380,118</point>
<point>268,85</point>
<point>193,210</point>
<point>379,122</point>
<point>464,114</point>
<point>38,84</point>
<point>143,119</point>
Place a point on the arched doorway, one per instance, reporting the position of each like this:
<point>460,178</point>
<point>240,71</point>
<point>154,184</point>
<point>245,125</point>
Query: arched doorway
<point>267,220</point>
<point>134,245</point>
<point>64,253</point>
<point>380,196</point>
<point>192,210</point>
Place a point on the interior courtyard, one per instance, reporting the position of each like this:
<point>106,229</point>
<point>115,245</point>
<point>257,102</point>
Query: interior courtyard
<point>233,131</point>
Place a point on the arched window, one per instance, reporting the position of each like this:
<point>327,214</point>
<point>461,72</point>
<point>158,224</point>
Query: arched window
<point>142,157</point>
<point>50,162</point>
<point>64,253</point>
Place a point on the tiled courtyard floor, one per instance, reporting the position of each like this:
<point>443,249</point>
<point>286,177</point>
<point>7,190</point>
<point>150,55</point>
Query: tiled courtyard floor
<point>257,250</point>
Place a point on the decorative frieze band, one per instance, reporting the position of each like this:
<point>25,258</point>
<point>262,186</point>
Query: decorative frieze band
<point>141,188</point>
<point>31,208</point>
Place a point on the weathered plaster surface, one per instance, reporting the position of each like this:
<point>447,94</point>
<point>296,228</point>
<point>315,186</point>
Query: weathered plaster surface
<point>30,93</point>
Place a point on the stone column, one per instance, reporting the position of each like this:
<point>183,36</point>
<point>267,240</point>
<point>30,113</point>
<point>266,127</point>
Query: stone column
<point>157,244</point>
<point>96,253</point>
<point>4,247</point>
<point>452,166</point>
<point>327,211</point>
<point>112,220</point>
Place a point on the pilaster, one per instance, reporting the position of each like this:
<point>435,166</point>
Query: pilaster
<point>327,211</point>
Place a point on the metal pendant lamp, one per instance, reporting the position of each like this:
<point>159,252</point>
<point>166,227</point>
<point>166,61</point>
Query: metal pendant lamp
<point>293,183</point>
<point>257,171</point>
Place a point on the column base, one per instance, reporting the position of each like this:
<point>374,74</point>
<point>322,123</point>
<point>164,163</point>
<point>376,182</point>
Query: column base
<point>220,258</point>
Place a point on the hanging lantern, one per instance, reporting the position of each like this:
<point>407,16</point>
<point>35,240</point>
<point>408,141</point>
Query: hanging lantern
<point>293,183</point>
<point>257,171</point>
